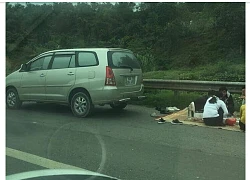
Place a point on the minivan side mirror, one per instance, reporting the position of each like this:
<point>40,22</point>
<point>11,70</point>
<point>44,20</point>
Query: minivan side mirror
<point>24,68</point>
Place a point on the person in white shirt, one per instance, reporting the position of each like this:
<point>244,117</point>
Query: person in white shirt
<point>214,110</point>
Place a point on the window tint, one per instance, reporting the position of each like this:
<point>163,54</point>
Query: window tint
<point>46,62</point>
<point>123,59</point>
<point>37,64</point>
<point>61,61</point>
<point>87,59</point>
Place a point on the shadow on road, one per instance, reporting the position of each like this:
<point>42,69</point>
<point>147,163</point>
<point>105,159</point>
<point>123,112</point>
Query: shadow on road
<point>46,107</point>
<point>99,112</point>
<point>106,113</point>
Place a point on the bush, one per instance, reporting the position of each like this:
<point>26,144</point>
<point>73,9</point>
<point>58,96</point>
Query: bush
<point>147,62</point>
<point>221,71</point>
<point>166,98</point>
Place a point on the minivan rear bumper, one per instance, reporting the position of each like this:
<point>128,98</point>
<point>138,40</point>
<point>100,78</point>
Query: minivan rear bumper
<point>112,94</point>
<point>133,98</point>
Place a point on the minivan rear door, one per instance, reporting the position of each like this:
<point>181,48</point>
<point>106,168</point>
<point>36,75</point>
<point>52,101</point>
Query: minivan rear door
<point>126,69</point>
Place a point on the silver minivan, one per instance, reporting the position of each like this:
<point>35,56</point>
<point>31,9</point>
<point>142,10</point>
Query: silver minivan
<point>80,78</point>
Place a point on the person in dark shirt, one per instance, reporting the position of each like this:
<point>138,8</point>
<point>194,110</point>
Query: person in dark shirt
<point>227,98</point>
<point>200,103</point>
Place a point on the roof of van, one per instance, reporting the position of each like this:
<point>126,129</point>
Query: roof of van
<point>80,49</point>
<point>88,49</point>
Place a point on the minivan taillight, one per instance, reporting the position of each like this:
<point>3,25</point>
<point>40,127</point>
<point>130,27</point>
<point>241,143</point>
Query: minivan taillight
<point>110,77</point>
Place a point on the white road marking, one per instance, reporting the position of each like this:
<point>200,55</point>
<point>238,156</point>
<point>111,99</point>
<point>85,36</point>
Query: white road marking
<point>54,172</point>
<point>37,160</point>
<point>47,163</point>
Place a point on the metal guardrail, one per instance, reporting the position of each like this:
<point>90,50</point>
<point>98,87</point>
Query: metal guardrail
<point>188,85</point>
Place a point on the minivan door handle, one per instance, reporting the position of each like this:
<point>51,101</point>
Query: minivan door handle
<point>70,73</point>
<point>42,75</point>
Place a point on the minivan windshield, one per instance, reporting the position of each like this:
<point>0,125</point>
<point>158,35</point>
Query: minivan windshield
<point>119,59</point>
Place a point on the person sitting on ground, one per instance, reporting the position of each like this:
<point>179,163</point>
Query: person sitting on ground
<point>200,103</point>
<point>197,106</point>
<point>242,122</point>
<point>228,99</point>
<point>214,110</point>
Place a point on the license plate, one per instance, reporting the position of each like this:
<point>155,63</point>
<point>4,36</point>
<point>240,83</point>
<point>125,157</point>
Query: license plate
<point>130,81</point>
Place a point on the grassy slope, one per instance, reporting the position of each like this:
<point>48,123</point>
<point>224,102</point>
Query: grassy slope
<point>202,57</point>
<point>195,60</point>
<point>220,71</point>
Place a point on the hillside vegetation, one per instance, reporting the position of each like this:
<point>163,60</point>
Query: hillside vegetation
<point>199,41</point>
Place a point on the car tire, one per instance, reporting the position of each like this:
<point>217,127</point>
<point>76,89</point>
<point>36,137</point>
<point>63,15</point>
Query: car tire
<point>118,106</point>
<point>81,105</point>
<point>12,99</point>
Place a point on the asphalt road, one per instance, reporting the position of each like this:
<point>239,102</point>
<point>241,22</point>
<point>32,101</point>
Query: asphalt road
<point>128,144</point>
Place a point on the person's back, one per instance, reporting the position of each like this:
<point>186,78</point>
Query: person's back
<point>211,109</point>
<point>214,110</point>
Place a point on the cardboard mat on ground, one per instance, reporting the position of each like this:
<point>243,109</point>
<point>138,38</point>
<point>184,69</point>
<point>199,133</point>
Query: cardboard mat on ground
<point>182,115</point>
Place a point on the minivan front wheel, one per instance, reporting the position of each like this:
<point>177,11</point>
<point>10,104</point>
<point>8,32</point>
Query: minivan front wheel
<point>81,105</point>
<point>12,99</point>
<point>118,106</point>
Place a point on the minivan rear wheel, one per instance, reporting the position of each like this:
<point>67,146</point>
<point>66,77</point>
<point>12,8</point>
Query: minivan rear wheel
<point>81,104</point>
<point>12,99</point>
<point>118,106</point>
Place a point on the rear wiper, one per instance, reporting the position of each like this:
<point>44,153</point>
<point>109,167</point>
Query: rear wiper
<point>126,66</point>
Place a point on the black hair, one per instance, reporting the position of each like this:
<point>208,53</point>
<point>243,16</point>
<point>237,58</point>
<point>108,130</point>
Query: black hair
<point>212,94</point>
<point>223,88</point>
<point>219,94</point>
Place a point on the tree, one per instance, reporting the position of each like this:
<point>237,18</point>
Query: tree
<point>172,34</point>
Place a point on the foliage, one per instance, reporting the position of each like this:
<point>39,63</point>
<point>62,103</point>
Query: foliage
<point>166,98</point>
<point>163,35</point>
<point>221,71</point>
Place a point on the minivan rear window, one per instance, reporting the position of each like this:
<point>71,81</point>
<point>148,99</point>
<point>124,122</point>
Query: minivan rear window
<point>122,59</point>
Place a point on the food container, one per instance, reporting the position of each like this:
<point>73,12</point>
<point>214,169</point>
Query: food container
<point>231,121</point>
<point>198,115</point>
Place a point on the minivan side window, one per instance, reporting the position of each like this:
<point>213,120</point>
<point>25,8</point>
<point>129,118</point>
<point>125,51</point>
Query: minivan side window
<point>46,62</point>
<point>87,59</point>
<point>40,64</point>
<point>72,62</point>
<point>63,61</point>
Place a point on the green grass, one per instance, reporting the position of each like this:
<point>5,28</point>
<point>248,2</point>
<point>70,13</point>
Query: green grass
<point>222,71</point>
<point>167,98</point>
